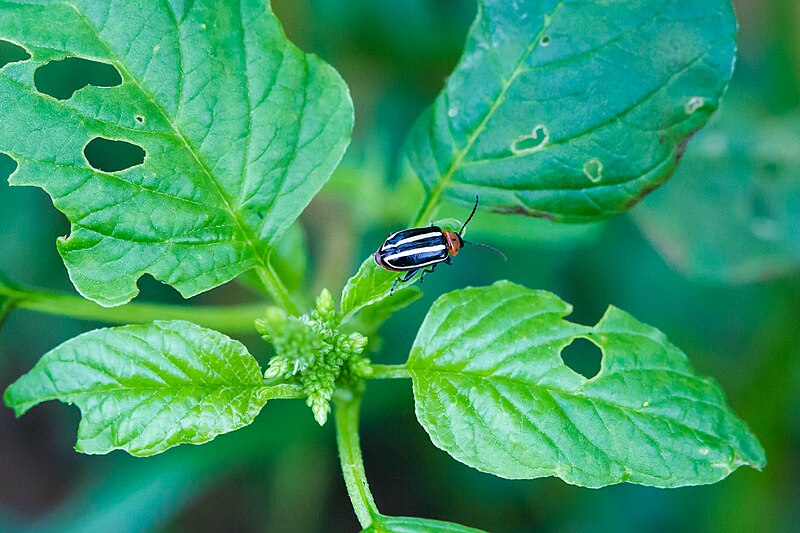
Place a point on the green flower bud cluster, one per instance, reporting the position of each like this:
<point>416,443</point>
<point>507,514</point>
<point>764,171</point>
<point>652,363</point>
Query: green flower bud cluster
<point>311,350</point>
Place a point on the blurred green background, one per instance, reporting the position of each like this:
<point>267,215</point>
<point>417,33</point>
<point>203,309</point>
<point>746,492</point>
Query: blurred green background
<point>712,260</point>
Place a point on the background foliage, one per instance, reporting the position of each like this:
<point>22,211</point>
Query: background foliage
<point>739,327</point>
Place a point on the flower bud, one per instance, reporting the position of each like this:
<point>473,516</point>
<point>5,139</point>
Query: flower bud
<point>278,367</point>
<point>361,368</point>
<point>321,408</point>
<point>326,307</point>
<point>353,343</point>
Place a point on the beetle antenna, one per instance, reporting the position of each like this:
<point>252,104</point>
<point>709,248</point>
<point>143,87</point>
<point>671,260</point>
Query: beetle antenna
<point>495,250</point>
<point>469,217</point>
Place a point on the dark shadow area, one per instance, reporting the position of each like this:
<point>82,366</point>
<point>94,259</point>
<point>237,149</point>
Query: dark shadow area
<point>7,166</point>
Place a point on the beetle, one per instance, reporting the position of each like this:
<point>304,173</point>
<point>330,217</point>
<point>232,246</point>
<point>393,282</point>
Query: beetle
<point>422,249</point>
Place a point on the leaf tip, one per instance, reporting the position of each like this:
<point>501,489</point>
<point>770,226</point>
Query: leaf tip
<point>11,401</point>
<point>754,457</point>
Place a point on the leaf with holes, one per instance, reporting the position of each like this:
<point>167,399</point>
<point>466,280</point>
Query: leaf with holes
<point>144,389</point>
<point>402,524</point>
<point>573,110</point>
<point>492,390</point>
<point>732,212</point>
<point>220,131</point>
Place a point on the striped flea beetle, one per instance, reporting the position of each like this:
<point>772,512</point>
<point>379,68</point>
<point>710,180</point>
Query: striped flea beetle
<point>422,249</point>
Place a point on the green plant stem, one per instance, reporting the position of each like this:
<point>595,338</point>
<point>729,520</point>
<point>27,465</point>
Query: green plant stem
<point>346,411</point>
<point>274,285</point>
<point>428,208</point>
<point>389,372</point>
<point>229,319</point>
<point>286,391</point>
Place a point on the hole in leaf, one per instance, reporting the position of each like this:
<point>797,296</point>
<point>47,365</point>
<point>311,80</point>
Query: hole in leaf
<point>583,356</point>
<point>593,169</point>
<point>694,103</point>
<point>532,142</point>
<point>60,79</point>
<point>7,166</point>
<point>12,53</point>
<point>139,119</point>
<point>544,41</point>
<point>113,156</point>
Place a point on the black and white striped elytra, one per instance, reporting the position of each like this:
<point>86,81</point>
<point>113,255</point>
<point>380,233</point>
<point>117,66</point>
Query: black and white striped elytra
<point>421,249</point>
<point>414,248</point>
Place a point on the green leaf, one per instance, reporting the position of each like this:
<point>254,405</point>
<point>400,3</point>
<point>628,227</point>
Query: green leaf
<point>371,317</point>
<point>144,389</point>
<point>573,110</point>
<point>732,212</point>
<point>240,130</point>
<point>369,286</point>
<point>492,390</point>
<point>401,524</point>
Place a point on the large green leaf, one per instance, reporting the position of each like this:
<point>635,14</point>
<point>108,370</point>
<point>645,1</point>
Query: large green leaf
<point>240,130</point>
<point>144,389</point>
<point>573,110</point>
<point>732,212</point>
<point>402,524</point>
<point>492,390</point>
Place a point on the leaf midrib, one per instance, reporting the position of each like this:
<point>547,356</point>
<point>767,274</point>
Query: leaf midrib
<point>279,391</point>
<point>444,180</point>
<point>113,56</point>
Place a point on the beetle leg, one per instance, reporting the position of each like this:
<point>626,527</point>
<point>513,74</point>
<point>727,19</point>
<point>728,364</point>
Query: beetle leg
<point>449,260</point>
<point>427,271</point>
<point>408,276</point>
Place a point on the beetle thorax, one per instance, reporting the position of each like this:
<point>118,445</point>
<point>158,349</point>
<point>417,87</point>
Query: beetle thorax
<point>454,242</point>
